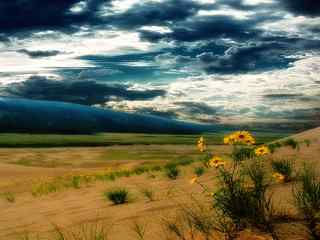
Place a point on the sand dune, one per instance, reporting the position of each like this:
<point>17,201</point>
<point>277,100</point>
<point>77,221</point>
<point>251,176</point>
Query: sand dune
<point>73,206</point>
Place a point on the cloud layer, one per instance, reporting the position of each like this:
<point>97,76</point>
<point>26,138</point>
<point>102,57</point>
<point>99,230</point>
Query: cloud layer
<point>204,60</point>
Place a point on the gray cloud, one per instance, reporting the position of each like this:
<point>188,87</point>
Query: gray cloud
<point>302,7</point>
<point>83,92</point>
<point>39,54</point>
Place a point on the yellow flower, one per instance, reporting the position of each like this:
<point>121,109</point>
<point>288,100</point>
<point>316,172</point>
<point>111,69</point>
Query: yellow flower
<point>226,140</point>
<point>239,137</point>
<point>193,180</point>
<point>279,177</point>
<point>263,150</point>
<point>201,140</point>
<point>202,147</point>
<point>201,144</point>
<point>215,162</point>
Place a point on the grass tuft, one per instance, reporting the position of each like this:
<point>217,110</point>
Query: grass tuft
<point>284,167</point>
<point>149,194</point>
<point>118,196</point>
<point>9,196</point>
<point>307,199</point>
<point>172,172</point>
<point>199,171</point>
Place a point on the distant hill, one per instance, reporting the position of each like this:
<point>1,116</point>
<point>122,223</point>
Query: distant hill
<point>22,115</point>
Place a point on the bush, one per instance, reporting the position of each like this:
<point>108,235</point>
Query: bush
<point>172,171</point>
<point>284,167</point>
<point>199,171</point>
<point>246,205</point>
<point>307,199</point>
<point>118,196</point>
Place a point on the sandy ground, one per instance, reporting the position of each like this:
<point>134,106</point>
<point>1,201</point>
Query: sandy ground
<point>74,206</point>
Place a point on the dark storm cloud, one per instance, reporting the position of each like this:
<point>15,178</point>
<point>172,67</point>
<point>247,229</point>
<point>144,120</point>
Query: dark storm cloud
<point>203,28</point>
<point>263,55</point>
<point>302,7</point>
<point>39,54</point>
<point>255,57</point>
<point>26,15</point>
<point>83,92</point>
<point>302,114</point>
<point>282,96</point>
<point>164,113</point>
<point>155,13</point>
<point>18,17</point>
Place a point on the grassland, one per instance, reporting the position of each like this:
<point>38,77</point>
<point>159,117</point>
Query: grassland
<point>109,139</point>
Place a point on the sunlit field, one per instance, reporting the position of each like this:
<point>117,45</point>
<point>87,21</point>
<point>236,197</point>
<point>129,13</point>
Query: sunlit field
<point>238,185</point>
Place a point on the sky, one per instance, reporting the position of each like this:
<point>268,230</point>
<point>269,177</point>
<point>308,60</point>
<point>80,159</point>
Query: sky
<point>211,61</point>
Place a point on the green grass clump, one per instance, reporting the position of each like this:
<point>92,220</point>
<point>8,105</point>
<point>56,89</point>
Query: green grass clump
<point>172,171</point>
<point>274,146</point>
<point>118,196</point>
<point>307,199</point>
<point>140,170</point>
<point>284,167</point>
<point>76,182</point>
<point>44,188</point>
<point>9,196</point>
<point>291,142</point>
<point>199,171</point>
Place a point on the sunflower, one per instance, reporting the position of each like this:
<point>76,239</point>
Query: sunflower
<point>263,150</point>
<point>279,177</point>
<point>239,137</point>
<point>215,162</point>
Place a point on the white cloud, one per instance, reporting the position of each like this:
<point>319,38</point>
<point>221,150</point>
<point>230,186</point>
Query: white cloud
<point>240,96</point>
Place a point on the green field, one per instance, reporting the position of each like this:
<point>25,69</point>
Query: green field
<point>109,139</point>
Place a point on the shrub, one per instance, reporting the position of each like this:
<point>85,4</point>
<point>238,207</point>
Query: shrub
<point>199,171</point>
<point>245,205</point>
<point>118,196</point>
<point>284,167</point>
<point>307,199</point>
<point>172,171</point>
